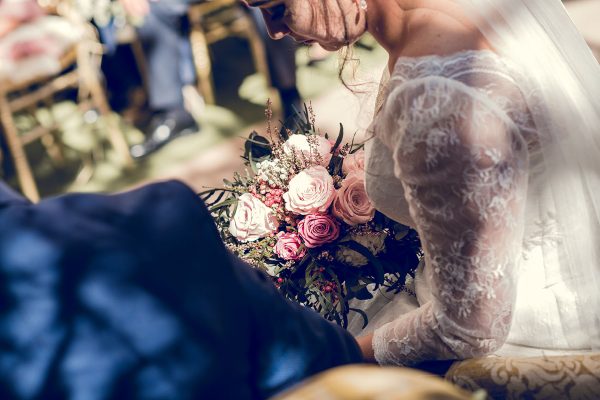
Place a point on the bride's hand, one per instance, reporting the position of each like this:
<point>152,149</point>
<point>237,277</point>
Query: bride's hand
<point>366,347</point>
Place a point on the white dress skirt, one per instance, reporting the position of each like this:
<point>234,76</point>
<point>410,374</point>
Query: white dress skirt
<point>455,154</point>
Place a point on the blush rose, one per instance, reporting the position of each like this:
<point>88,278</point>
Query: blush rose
<point>310,191</point>
<point>351,203</point>
<point>252,220</point>
<point>318,229</point>
<point>354,162</point>
<point>289,246</point>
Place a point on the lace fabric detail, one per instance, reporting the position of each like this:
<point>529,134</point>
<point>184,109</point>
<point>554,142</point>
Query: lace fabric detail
<point>459,131</point>
<point>481,70</point>
<point>545,232</point>
<point>456,66</point>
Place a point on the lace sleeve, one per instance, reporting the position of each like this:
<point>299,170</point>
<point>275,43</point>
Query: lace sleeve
<point>463,166</point>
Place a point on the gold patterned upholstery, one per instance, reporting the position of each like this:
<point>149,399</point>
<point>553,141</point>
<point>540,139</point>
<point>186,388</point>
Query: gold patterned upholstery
<point>557,377</point>
<point>575,377</point>
<point>370,382</point>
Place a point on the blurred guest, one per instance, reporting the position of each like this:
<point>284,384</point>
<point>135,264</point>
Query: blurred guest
<point>124,83</point>
<point>281,56</point>
<point>134,296</point>
<point>164,34</point>
<point>31,46</point>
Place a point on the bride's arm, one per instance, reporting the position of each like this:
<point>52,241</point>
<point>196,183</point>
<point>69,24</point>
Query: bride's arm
<point>463,166</point>
<point>365,343</point>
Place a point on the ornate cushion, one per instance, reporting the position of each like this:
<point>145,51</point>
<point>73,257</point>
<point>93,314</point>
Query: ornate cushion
<point>556,377</point>
<point>35,49</point>
<point>370,382</point>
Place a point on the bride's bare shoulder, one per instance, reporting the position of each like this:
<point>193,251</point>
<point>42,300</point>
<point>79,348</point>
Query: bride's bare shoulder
<point>439,31</point>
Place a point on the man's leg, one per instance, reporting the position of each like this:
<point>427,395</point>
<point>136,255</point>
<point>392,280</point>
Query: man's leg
<point>163,35</point>
<point>281,55</point>
<point>118,67</point>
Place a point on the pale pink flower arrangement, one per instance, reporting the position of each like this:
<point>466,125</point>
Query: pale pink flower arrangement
<point>304,217</point>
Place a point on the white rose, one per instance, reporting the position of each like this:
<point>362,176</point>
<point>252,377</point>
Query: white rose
<point>300,144</point>
<point>252,220</point>
<point>374,242</point>
<point>311,191</point>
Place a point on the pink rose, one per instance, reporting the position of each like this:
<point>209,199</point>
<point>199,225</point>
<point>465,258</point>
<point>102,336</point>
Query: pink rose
<point>318,229</point>
<point>252,220</point>
<point>312,148</point>
<point>310,191</point>
<point>354,162</point>
<point>289,246</point>
<point>351,204</point>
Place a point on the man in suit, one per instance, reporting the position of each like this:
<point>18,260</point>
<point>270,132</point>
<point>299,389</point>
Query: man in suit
<point>281,57</point>
<point>164,35</point>
<point>135,296</point>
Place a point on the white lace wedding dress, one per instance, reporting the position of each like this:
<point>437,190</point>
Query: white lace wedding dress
<point>455,154</point>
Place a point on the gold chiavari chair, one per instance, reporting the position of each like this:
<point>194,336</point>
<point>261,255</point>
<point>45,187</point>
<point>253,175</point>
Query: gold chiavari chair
<point>212,21</point>
<point>79,69</point>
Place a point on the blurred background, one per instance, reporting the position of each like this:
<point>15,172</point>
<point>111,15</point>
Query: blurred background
<point>105,95</point>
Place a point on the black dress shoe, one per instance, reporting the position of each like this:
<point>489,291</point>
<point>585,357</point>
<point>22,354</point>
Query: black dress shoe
<point>165,127</point>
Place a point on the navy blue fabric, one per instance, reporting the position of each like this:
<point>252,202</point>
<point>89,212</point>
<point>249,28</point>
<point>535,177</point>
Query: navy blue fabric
<point>134,296</point>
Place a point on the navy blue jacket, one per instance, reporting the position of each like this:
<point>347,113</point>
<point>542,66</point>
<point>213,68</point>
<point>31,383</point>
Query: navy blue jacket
<point>134,296</point>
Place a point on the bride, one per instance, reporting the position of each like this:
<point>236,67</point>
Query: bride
<point>486,141</point>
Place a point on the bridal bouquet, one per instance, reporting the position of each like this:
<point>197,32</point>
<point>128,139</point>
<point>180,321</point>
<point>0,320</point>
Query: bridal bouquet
<point>301,214</point>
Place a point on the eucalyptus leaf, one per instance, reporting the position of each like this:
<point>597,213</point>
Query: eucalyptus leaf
<point>252,162</point>
<point>226,203</point>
